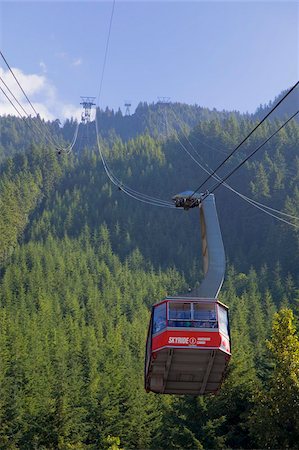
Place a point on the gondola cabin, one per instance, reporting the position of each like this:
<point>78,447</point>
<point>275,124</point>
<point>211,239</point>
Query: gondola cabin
<point>188,346</point>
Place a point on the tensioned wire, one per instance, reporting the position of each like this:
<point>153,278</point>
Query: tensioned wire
<point>209,171</point>
<point>32,122</point>
<point>42,130</point>
<point>253,153</point>
<point>151,200</point>
<point>252,202</point>
<point>124,188</point>
<point>27,98</point>
<point>247,137</point>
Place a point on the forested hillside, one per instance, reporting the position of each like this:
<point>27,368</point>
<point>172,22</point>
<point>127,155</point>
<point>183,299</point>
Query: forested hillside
<point>153,119</point>
<point>82,263</point>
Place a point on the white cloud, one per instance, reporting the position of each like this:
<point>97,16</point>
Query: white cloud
<point>43,66</point>
<point>69,110</point>
<point>73,62</point>
<point>32,84</point>
<point>77,62</point>
<point>42,94</point>
<point>37,88</point>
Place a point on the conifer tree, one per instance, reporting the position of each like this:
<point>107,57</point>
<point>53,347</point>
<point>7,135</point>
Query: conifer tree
<point>275,418</point>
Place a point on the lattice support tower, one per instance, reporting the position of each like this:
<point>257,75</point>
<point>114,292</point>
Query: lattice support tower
<point>87,103</point>
<point>128,105</point>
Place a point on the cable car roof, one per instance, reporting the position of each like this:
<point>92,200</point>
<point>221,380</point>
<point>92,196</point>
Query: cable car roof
<point>187,194</point>
<point>190,300</point>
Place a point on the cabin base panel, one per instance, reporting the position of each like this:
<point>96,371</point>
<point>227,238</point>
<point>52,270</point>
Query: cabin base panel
<point>186,371</point>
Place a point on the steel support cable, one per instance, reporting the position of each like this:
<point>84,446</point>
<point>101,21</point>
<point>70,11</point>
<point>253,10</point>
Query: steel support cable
<point>223,152</point>
<point>252,202</point>
<point>70,147</point>
<point>15,108</point>
<point>198,140</point>
<point>106,52</point>
<point>50,137</point>
<point>123,186</point>
<point>140,199</point>
<point>28,100</point>
<point>252,153</point>
<point>17,81</point>
<point>81,140</point>
<point>257,205</point>
<point>208,170</point>
<point>24,111</point>
<point>247,137</point>
<point>134,194</point>
<point>127,190</point>
<point>38,130</point>
<point>244,197</point>
<point>262,205</point>
<point>120,184</point>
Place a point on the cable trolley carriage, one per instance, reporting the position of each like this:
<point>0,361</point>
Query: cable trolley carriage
<point>188,342</point>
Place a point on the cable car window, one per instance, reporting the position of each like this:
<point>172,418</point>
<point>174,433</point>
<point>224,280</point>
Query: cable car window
<point>159,318</point>
<point>204,315</point>
<point>223,320</point>
<point>180,311</point>
<point>180,315</point>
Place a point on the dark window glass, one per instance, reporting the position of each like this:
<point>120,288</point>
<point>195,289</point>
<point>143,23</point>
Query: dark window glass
<point>223,319</point>
<point>159,318</point>
<point>204,315</point>
<point>179,311</point>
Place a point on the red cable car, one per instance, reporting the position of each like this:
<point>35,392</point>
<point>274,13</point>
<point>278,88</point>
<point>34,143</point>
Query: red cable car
<point>188,342</point>
<point>188,346</point>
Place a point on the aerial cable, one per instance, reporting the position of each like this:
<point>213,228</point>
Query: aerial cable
<point>140,199</point>
<point>257,205</point>
<point>81,140</point>
<point>252,202</point>
<point>106,52</point>
<point>253,153</point>
<point>17,81</point>
<point>208,170</point>
<point>177,118</point>
<point>124,187</point>
<point>14,97</point>
<point>15,108</point>
<point>70,147</point>
<point>136,195</point>
<point>247,137</point>
<point>26,96</point>
<point>87,135</point>
<point>133,192</point>
<point>262,205</point>
<point>127,190</point>
<point>25,112</point>
<point>32,123</point>
<point>249,200</point>
<point>223,152</point>
<point>50,138</point>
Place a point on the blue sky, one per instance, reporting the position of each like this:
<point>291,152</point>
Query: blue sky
<point>227,55</point>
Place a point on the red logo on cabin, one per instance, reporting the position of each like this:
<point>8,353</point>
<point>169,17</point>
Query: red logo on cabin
<point>180,338</point>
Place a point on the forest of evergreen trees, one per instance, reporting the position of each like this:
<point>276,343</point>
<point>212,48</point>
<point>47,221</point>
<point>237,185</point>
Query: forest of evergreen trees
<point>81,264</point>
